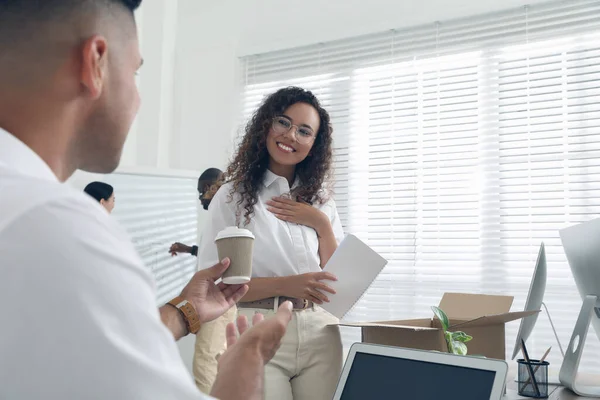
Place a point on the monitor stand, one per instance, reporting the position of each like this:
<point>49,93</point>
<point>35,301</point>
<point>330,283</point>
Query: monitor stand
<point>570,365</point>
<point>553,377</point>
<point>553,374</point>
<point>562,352</point>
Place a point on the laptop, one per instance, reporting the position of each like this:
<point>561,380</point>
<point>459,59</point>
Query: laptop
<point>382,372</point>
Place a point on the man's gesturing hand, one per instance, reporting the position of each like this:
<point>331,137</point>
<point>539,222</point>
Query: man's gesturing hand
<point>209,299</point>
<point>241,368</point>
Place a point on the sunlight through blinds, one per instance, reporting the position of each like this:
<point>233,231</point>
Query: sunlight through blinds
<point>157,211</point>
<point>460,147</point>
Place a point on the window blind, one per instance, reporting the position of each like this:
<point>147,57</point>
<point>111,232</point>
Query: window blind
<point>460,147</point>
<point>157,211</point>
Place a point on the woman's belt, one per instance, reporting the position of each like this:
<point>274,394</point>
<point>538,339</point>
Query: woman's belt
<point>270,303</point>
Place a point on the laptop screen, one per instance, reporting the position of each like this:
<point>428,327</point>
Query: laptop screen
<point>380,377</point>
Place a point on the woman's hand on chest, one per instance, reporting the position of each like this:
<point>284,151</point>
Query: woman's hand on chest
<point>298,213</point>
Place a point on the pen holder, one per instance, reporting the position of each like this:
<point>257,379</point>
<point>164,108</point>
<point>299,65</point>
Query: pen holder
<point>540,372</point>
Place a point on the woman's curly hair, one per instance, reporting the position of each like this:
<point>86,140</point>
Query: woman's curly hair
<point>247,169</point>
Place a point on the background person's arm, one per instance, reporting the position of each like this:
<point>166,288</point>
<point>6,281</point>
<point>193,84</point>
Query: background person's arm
<point>178,247</point>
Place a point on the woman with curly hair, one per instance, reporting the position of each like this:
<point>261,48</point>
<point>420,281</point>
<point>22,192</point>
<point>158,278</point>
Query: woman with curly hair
<point>276,186</point>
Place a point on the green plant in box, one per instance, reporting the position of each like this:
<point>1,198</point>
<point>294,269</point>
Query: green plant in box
<point>455,340</point>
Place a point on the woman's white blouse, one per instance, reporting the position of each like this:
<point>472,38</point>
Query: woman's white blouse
<point>280,248</point>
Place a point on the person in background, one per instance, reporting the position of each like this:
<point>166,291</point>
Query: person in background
<point>103,193</point>
<point>79,316</point>
<point>210,339</point>
<point>206,180</point>
<point>276,186</point>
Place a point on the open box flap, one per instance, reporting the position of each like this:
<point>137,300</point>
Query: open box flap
<point>413,325</point>
<point>492,319</point>
<point>467,307</point>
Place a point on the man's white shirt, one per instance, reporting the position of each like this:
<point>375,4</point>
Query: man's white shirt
<point>78,307</point>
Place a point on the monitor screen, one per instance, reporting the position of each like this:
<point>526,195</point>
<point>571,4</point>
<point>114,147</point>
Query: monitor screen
<point>380,377</point>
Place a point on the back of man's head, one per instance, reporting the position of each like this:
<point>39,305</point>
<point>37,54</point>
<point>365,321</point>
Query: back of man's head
<point>210,175</point>
<point>20,20</point>
<point>207,179</point>
<point>79,58</point>
<point>52,8</point>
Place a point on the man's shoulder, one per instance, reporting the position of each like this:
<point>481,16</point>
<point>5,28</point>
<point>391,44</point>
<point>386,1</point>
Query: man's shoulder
<point>21,195</point>
<point>64,224</point>
<point>33,202</point>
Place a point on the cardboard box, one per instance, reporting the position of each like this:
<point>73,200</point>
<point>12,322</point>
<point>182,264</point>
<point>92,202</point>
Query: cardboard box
<point>481,316</point>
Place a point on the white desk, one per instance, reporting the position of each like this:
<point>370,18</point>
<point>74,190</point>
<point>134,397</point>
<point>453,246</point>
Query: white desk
<point>556,393</point>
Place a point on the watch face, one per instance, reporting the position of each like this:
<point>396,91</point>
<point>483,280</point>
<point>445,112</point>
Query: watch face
<point>183,303</point>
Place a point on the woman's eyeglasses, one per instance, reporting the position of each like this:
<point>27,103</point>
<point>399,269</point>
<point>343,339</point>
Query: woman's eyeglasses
<point>302,134</point>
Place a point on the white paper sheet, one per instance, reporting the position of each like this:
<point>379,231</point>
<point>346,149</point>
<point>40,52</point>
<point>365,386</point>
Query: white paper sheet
<point>356,266</point>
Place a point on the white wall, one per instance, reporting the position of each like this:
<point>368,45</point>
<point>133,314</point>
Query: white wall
<point>212,35</point>
<point>156,141</point>
<point>189,82</point>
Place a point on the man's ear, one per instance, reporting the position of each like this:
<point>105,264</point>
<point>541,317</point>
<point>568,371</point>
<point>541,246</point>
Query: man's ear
<point>94,62</point>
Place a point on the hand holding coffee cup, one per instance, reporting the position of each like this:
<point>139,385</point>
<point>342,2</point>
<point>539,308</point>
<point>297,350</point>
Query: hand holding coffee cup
<point>237,245</point>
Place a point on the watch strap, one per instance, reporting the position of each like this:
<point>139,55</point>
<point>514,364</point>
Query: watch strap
<point>190,316</point>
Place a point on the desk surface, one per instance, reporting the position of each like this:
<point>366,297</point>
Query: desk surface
<point>556,393</point>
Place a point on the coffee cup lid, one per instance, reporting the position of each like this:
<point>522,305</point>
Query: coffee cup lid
<point>234,231</point>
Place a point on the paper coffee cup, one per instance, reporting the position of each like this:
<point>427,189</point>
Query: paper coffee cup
<point>237,245</point>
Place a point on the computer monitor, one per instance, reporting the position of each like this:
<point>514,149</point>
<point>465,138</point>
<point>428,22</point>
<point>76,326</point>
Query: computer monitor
<point>582,248</point>
<point>535,297</point>
<point>384,372</point>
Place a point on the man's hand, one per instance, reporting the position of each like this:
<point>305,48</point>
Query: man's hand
<point>209,299</point>
<point>241,367</point>
<point>179,248</point>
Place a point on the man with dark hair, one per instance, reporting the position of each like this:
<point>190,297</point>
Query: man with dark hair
<point>79,314</point>
<point>207,179</point>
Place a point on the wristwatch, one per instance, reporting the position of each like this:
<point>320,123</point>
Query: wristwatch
<point>190,316</point>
